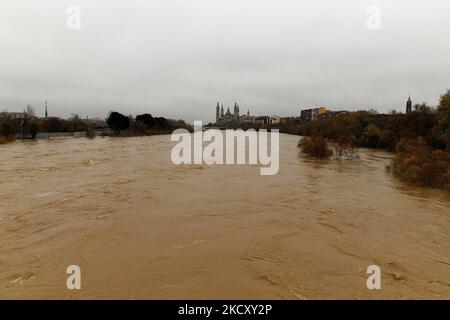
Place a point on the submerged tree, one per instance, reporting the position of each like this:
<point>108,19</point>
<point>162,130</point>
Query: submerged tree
<point>30,111</point>
<point>344,147</point>
<point>316,147</point>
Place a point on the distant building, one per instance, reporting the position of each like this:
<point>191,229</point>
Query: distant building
<point>227,119</point>
<point>284,120</point>
<point>262,120</point>
<point>308,114</point>
<point>14,115</point>
<point>275,120</point>
<point>333,114</point>
<point>287,120</point>
<point>409,105</point>
<point>320,113</point>
<point>248,120</point>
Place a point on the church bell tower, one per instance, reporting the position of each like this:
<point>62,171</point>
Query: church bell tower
<point>409,105</point>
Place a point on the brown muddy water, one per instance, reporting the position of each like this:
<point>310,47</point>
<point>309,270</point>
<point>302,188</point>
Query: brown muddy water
<point>140,227</point>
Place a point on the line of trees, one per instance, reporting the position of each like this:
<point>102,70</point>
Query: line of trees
<point>421,139</point>
<point>11,125</point>
<point>28,125</point>
<point>143,124</point>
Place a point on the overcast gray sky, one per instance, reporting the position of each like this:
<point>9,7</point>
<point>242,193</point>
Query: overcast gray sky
<point>177,58</point>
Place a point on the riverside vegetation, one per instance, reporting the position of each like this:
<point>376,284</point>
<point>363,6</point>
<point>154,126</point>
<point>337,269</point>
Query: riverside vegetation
<point>144,124</point>
<point>28,126</point>
<point>420,140</point>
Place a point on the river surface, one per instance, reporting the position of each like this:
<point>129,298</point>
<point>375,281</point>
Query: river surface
<point>141,227</point>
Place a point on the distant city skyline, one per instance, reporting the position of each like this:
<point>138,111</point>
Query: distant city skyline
<point>177,58</point>
<point>409,106</point>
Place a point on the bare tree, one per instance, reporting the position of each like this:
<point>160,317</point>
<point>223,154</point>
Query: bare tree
<point>29,111</point>
<point>76,117</point>
<point>344,148</point>
<point>3,115</point>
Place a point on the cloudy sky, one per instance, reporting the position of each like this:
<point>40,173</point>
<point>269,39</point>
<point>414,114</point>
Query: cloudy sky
<point>177,58</point>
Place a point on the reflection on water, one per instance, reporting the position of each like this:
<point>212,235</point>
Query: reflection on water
<point>140,227</point>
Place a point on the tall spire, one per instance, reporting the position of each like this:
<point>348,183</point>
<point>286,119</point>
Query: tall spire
<point>217,112</point>
<point>409,105</point>
<point>46,113</point>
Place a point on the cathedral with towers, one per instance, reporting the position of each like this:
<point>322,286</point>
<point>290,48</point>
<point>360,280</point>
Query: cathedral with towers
<point>228,119</point>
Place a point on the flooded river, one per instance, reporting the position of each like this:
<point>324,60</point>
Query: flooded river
<point>140,227</point>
